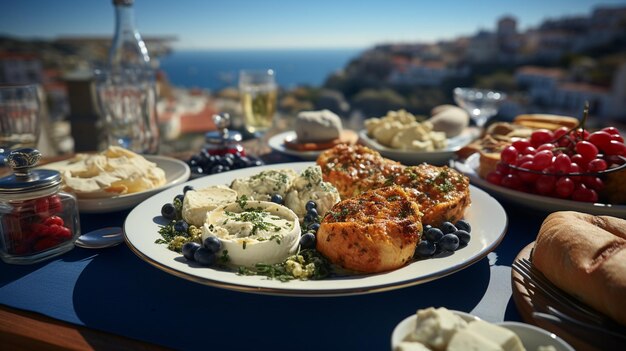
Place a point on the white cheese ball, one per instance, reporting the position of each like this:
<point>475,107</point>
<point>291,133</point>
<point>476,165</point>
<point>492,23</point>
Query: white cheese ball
<point>263,185</point>
<point>309,186</point>
<point>254,232</point>
<point>317,126</point>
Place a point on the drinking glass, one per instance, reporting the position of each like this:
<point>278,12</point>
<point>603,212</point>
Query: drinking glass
<point>257,89</point>
<point>479,103</point>
<point>127,100</point>
<point>20,108</point>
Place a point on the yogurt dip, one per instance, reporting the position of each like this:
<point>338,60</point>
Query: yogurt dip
<point>254,231</point>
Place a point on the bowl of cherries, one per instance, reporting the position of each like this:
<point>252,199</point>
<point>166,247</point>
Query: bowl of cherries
<point>565,163</point>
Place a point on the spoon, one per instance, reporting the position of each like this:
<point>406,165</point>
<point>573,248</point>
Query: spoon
<point>101,238</point>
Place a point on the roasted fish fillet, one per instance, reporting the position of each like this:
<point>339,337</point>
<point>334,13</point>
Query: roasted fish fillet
<point>375,231</point>
<point>442,193</point>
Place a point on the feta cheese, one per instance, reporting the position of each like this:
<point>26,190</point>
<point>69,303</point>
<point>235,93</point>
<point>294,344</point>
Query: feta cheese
<point>317,126</point>
<point>263,185</point>
<point>506,339</point>
<point>435,327</point>
<point>411,346</point>
<point>200,201</point>
<point>309,185</point>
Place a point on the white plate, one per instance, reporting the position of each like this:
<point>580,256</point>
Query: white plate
<point>277,142</point>
<point>488,219</point>
<point>176,172</point>
<point>544,203</point>
<point>411,157</point>
<point>532,337</point>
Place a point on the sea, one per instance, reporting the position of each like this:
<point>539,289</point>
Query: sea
<point>218,69</point>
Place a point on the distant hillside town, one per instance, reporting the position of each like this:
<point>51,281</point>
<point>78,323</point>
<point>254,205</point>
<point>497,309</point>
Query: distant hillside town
<point>553,68</point>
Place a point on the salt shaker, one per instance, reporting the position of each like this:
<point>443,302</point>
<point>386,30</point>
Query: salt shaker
<point>37,219</point>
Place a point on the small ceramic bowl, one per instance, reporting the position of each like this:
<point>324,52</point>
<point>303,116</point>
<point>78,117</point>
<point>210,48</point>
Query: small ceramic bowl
<point>532,337</point>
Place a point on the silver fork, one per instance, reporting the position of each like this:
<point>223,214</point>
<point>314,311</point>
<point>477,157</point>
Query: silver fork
<point>525,268</point>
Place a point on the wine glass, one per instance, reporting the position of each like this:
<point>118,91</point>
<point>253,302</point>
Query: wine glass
<point>481,104</point>
<point>20,109</point>
<point>257,89</point>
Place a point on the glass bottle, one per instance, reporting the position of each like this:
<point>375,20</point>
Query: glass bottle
<point>127,49</point>
<point>130,75</point>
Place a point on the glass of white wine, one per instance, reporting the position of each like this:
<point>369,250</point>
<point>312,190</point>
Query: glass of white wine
<point>257,89</point>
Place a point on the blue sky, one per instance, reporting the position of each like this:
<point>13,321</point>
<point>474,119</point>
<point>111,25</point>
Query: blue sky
<point>235,24</point>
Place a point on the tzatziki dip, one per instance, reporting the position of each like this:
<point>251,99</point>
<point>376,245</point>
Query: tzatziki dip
<point>254,231</point>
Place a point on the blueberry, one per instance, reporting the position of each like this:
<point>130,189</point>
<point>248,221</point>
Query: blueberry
<point>310,218</point>
<point>464,225</point>
<point>217,169</point>
<point>307,241</point>
<point>204,257</point>
<point>312,212</point>
<point>181,226</point>
<point>448,228</point>
<point>168,211</point>
<point>189,249</point>
<point>187,188</point>
<point>198,170</point>
<point>433,234</point>
<point>449,242</point>
<point>180,197</point>
<point>226,162</point>
<point>257,163</point>
<point>212,243</point>
<point>464,236</point>
<point>426,227</point>
<point>425,248</point>
<point>314,227</point>
<point>277,198</point>
<point>310,205</point>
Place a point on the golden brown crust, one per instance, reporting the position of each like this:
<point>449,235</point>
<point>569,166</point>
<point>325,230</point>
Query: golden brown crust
<point>585,255</point>
<point>374,232</point>
<point>442,193</point>
<point>546,121</point>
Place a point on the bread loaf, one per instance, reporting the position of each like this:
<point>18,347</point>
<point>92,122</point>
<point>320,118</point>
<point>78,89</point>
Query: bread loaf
<point>546,121</point>
<point>585,255</point>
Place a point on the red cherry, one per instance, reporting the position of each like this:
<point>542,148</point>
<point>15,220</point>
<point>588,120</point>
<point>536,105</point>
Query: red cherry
<point>39,229</point>
<point>560,132</point>
<point>542,160</point>
<point>616,148</point>
<point>600,139</point>
<point>528,177</point>
<point>509,154</point>
<point>545,184</point>
<point>578,159</point>
<point>63,233</point>
<point>597,165</point>
<point>548,146</point>
<point>521,144</point>
<point>594,183</point>
<point>54,220</point>
<point>617,138</point>
<point>562,163</point>
<point>42,206</point>
<point>611,130</point>
<point>564,187</point>
<point>540,137</point>
<point>587,150</point>
<point>55,204</point>
<point>584,194</point>
<point>529,151</point>
<point>511,181</point>
<point>494,177</point>
<point>46,243</point>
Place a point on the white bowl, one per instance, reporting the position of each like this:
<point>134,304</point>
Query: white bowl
<point>532,337</point>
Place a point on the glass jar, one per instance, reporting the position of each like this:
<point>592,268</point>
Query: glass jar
<point>37,219</point>
<point>223,141</point>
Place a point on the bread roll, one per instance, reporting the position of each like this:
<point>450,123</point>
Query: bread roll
<point>547,121</point>
<point>585,255</point>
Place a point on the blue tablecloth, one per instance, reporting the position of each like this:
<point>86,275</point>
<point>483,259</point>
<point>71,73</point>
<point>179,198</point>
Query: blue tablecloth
<point>115,291</point>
